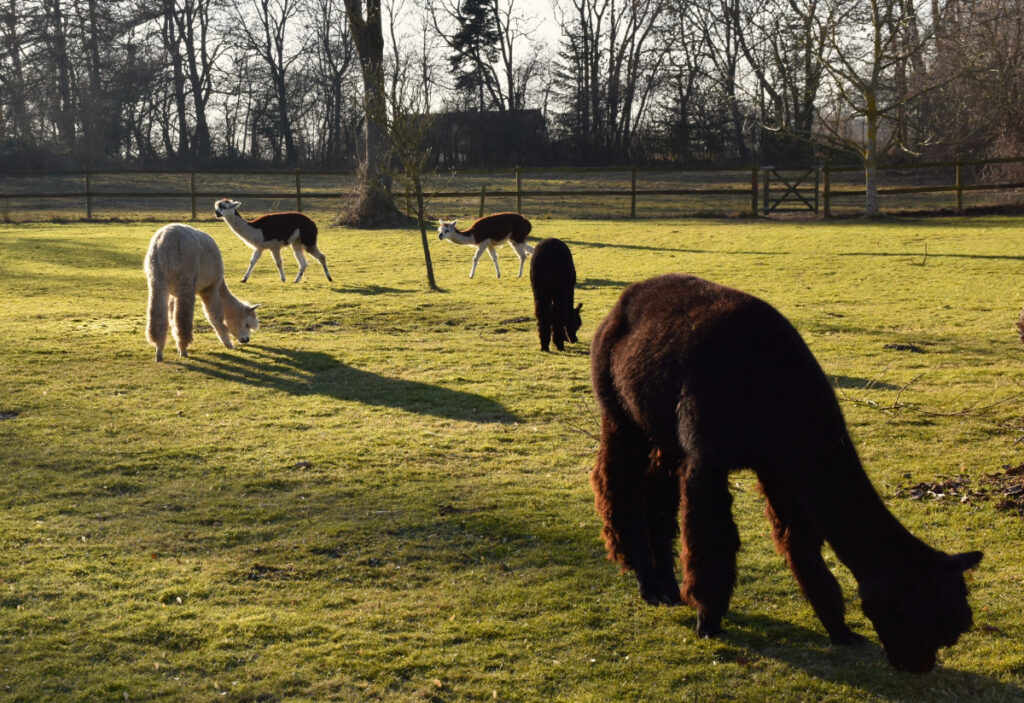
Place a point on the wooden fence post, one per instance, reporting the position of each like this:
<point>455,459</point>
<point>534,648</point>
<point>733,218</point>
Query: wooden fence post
<point>298,190</point>
<point>753,191</point>
<point>959,187</point>
<point>826,193</point>
<point>519,191</point>
<point>817,184</point>
<point>192,192</point>
<point>632,193</point>
<point>483,198</point>
<point>766,188</point>
<point>88,195</point>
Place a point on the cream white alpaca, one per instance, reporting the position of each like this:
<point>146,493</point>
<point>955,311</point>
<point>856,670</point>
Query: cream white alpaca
<point>272,232</point>
<point>181,262</point>
<point>489,232</point>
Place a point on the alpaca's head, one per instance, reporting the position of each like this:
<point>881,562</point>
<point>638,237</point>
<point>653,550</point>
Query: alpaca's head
<point>446,229</point>
<point>574,323</point>
<point>225,207</point>
<point>917,615</point>
<point>241,320</point>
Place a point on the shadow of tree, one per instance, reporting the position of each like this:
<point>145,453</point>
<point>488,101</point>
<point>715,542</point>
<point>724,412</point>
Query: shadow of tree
<point>315,373</point>
<point>372,289</point>
<point>73,253</point>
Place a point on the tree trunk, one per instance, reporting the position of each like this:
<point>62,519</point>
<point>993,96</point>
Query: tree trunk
<point>420,217</point>
<point>871,205</point>
<point>373,206</point>
<point>172,42</point>
<point>198,59</point>
<point>62,62</point>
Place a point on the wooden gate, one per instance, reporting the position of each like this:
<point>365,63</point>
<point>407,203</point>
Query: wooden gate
<point>796,191</point>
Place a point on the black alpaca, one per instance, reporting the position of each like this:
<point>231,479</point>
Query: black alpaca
<point>695,380</point>
<point>553,278</point>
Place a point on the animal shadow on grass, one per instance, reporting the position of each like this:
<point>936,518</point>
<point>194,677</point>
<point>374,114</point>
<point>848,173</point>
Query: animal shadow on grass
<point>315,373</point>
<point>858,666</point>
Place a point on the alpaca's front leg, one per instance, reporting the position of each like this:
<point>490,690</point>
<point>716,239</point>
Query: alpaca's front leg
<point>710,541</point>
<point>476,258</point>
<point>213,306</point>
<point>252,263</point>
<point>801,544</point>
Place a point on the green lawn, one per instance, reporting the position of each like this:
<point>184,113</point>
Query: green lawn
<point>384,495</point>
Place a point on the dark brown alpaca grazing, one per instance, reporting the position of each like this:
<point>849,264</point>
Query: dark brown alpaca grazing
<point>695,380</point>
<point>553,279</point>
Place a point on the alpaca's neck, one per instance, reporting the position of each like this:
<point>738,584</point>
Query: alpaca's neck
<point>240,226</point>
<point>855,521</point>
<point>464,237</point>
<point>230,301</point>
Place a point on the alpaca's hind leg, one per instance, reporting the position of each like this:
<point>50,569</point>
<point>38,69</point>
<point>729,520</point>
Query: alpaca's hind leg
<point>542,308</point>
<point>522,251</point>
<point>252,263</point>
<point>318,255</point>
<point>213,306</point>
<point>619,486</point>
<point>276,253</point>
<point>183,310</point>
<point>300,258</point>
<point>709,543</point>
<point>494,257</point>
<point>801,545</point>
<point>156,324</point>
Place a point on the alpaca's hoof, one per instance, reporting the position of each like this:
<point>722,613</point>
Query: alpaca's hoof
<point>707,626</point>
<point>159,356</point>
<point>847,639</point>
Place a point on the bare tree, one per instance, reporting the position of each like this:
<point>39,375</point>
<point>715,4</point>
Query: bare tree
<point>866,44</point>
<point>187,36</point>
<point>609,67</point>
<point>783,49</point>
<point>334,61</point>
<point>264,30</point>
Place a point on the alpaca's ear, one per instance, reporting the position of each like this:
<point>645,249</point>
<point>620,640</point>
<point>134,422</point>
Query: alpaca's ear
<point>579,307</point>
<point>253,307</point>
<point>967,560</point>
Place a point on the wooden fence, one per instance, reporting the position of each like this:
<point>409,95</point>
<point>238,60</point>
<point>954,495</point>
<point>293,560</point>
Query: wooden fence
<point>764,189</point>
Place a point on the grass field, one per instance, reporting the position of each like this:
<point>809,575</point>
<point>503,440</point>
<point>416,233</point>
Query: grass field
<point>384,495</point>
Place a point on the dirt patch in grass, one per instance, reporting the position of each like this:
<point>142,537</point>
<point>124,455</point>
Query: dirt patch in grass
<point>1006,487</point>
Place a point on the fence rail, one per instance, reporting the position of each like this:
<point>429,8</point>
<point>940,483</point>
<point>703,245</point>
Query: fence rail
<point>762,189</point>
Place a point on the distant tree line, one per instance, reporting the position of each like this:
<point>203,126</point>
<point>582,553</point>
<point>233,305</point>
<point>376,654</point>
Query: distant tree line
<point>689,82</point>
